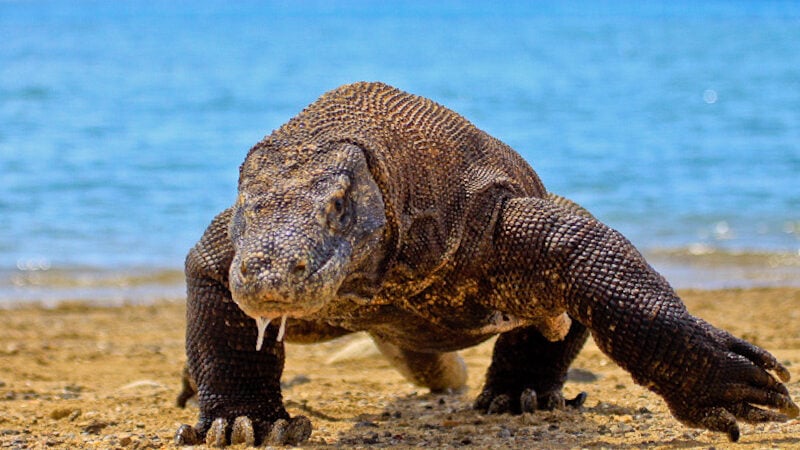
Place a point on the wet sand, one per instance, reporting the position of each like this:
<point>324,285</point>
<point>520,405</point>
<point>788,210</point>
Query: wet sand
<point>80,376</point>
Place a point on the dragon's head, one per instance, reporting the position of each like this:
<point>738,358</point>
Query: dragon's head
<point>308,220</point>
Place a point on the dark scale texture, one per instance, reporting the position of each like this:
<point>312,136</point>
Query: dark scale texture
<point>227,356</point>
<point>379,211</point>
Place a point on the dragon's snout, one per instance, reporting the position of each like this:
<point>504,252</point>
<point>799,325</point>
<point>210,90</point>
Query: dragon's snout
<point>280,275</point>
<point>255,269</point>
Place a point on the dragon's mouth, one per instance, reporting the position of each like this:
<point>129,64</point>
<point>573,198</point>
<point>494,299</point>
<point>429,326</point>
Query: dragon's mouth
<point>262,323</point>
<point>272,309</point>
<point>298,301</point>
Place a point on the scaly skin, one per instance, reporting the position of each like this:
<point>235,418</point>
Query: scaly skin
<point>379,211</point>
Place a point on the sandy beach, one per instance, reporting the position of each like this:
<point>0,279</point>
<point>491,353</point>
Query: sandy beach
<point>79,376</point>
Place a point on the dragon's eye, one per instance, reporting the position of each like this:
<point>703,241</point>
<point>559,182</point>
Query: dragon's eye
<point>338,211</point>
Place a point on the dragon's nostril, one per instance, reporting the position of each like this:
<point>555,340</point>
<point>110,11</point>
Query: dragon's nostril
<point>299,269</point>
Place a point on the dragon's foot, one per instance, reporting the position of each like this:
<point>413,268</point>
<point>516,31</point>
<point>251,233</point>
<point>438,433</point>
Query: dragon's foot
<point>220,432</point>
<point>729,381</point>
<point>526,400</point>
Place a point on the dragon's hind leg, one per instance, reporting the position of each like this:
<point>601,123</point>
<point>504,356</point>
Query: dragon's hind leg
<point>440,372</point>
<point>528,371</point>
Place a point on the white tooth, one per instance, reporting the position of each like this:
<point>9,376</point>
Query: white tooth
<point>282,329</point>
<point>261,323</point>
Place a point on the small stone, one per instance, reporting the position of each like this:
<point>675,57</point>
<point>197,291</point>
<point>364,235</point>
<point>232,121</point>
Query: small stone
<point>366,423</point>
<point>371,438</point>
<point>624,428</point>
<point>95,427</point>
<point>296,381</point>
<point>690,435</point>
<point>504,433</point>
<point>60,413</point>
<point>50,442</point>
<point>581,376</point>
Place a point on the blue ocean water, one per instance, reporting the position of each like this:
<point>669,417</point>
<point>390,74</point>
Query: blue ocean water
<point>122,124</point>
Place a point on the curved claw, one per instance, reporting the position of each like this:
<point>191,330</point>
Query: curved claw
<point>278,433</point>
<point>528,401</point>
<point>751,414</point>
<point>186,435</point>
<point>720,419</point>
<point>215,436</point>
<point>783,373</point>
<point>578,401</point>
<point>290,432</point>
<point>759,357</point>
<point>730,381</point>
<point>753,353</point>
<point>499,405</point>
<point>243,432</point>
<point>555,400</point>
<point>791,410</point>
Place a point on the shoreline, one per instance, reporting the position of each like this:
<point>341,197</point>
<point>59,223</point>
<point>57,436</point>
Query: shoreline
<point>83,376</point>
<point>692,267</point>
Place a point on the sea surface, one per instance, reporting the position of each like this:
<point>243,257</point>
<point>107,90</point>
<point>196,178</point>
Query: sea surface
<point>122,124</point>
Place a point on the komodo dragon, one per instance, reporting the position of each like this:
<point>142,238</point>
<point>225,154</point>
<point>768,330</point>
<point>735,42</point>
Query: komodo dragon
<point>376,210</point>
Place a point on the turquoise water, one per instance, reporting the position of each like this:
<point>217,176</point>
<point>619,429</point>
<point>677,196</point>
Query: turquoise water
<point>122,124</point>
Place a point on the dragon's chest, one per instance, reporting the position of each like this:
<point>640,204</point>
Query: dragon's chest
<point>410,330</point>
<point>442,317</point>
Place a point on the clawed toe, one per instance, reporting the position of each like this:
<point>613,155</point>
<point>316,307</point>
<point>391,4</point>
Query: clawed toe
<point>215,436</point>
<point>282,432</point>
<point>527,402</point>
<point>243,432</point>
<point>553,400</point>
<point>291,432</point>
<point>578,401</point>
<point>499,405</point>
<point>186,435</point>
